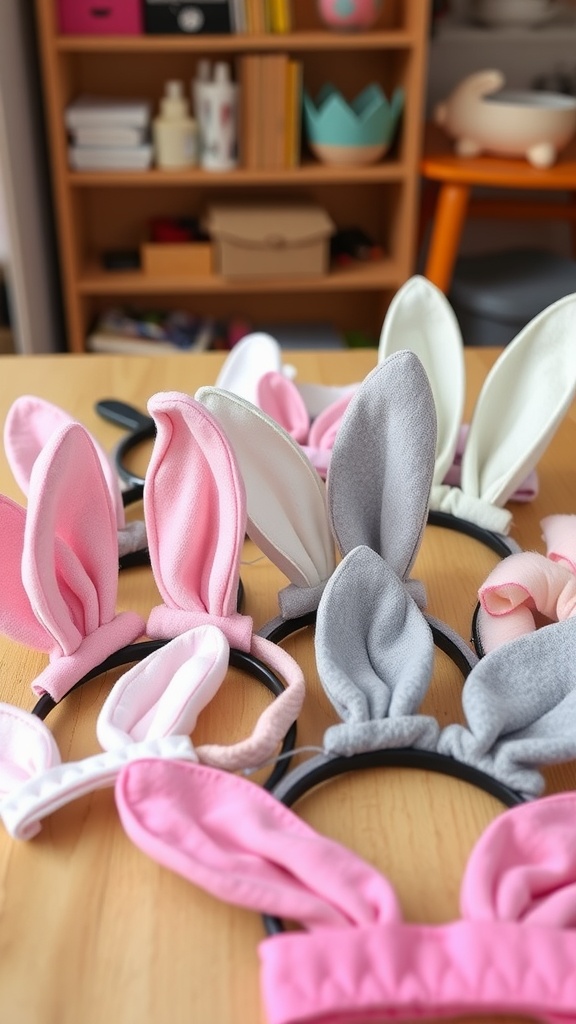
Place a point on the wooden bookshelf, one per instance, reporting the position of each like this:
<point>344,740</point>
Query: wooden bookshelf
<point>105,210</point>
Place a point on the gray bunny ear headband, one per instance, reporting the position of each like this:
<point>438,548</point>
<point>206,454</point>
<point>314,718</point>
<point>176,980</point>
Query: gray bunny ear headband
<point>377,493</point>
<point>520,406</point>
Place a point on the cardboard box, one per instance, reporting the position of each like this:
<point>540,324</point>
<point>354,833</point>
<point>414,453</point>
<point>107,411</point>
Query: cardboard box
<point>270,241</point>
<point>192,17</point>
<point>186,259</point>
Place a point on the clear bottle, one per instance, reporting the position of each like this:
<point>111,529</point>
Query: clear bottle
<point>218,120</point>
<point>174,131</point>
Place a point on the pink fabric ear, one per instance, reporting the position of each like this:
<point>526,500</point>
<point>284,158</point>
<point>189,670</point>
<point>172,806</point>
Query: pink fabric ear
<point>559,533</point>
<point>195,511</point>
<point>69,564</point>
<point>30,423</point>
<point>326,425</point>
<point>17,619</point>
<point>518,586</point>
<point>279,398</point>
<point>27,747</point>
<point>237,842</point>
<point>524,866</point>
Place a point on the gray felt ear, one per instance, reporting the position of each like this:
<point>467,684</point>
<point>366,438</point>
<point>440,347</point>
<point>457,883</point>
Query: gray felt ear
<point>520,705</point>
<point>383,463</point>
<point>375,657</point>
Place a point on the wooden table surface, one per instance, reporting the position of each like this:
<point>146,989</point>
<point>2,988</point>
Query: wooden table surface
<point>91,930</point>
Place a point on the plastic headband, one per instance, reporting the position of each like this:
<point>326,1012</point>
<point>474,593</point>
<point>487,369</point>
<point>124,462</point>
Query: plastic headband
<point>357,958</point>
<point>149,712</point>
<point>520,406</point>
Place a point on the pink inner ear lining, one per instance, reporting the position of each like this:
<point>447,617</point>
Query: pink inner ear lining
<point>502,599</point>
<point>280,399</point>
<point>26,744</point>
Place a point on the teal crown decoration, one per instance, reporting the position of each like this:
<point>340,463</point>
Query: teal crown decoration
<point>371,119</point>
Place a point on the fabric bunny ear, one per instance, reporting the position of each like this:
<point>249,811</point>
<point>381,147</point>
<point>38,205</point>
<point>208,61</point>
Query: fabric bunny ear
<point>286,498</point>
<point>280,399</point>
<point>523,868</point>
<point>30,422</point>
<point>375,657</point>
<point>520,706</point>
<point>521,404</point>
<point>69,564</point>
<point>194,504</point>
<point>237,842</point>
<point>383,462</point>
<point>421,319</point>
<point>248,361</point>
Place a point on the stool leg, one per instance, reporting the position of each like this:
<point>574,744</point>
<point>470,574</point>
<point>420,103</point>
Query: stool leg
<point>445,241</point>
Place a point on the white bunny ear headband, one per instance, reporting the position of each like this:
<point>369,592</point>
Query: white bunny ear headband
<point>377,494</point>
<point>149,713</point>
<point>520,406</point>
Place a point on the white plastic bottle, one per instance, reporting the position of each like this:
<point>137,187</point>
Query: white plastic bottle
<point>174,132</point>
<point>219,120</point>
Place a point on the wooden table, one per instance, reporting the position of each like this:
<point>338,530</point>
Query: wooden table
<point>456,176</point>
<point>91,931</point>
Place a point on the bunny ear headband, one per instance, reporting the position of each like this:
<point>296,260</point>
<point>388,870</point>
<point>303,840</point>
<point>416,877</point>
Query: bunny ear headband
<point>378,486</point>
<point>30,422</point>
<point>149,712</point>
<point>357,959</point>
<point>520,406</point>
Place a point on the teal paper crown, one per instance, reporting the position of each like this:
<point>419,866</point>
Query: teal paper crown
<point>369,120</point>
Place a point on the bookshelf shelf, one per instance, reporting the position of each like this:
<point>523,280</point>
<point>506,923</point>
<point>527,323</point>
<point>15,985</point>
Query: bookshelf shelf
<point>363,277</point>
<point>110,210</point>
<point>293,41</point>
<point>308,172</point>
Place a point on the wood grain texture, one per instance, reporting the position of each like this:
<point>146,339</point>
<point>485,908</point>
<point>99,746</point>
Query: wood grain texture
<point>91,930</point>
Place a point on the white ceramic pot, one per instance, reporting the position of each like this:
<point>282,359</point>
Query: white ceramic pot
<point>482,117</point>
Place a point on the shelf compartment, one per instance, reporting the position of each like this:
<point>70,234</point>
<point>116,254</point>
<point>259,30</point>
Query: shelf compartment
<point>362,277</point>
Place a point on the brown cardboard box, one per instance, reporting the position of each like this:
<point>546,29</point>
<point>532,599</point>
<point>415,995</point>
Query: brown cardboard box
<point>174,259</point>
<point>270,241</point>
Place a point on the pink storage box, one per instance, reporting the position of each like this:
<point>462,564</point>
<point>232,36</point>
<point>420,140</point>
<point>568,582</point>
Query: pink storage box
<point>100,17</point>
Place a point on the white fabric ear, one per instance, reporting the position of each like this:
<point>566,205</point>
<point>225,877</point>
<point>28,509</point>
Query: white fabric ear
<point>318,397</point>
<point>421,319</point>
<point>249,360</point>
<point>286,499</point>
<point>523,400</point>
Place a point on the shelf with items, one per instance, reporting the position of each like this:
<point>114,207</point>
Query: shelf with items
<point>104,210</point>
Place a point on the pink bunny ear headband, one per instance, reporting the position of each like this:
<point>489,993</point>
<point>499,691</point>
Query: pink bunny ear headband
<point>512,951</point>
<point>377,491</point>
<point>529,589</point>
<point>30,422</point>
<point>61,576</point>
<point>522,402</point>
<point>149,712</point>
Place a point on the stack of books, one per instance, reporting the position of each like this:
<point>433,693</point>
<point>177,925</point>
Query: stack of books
<point>270,110</point>
<point>150,333</point>
<point>108,134</point>
<point>257,16</point>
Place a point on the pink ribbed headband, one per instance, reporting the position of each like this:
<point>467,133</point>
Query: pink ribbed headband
<point>512,952</point>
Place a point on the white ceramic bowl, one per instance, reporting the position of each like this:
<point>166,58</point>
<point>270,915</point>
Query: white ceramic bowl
<point>514,13</point>
<point>485,118</point>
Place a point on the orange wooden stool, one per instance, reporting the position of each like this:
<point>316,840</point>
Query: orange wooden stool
<point>456,176</point>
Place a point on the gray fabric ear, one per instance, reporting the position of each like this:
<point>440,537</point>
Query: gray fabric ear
<point>383,463</point>
<point>520,705</point>
<point>375,658</point>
